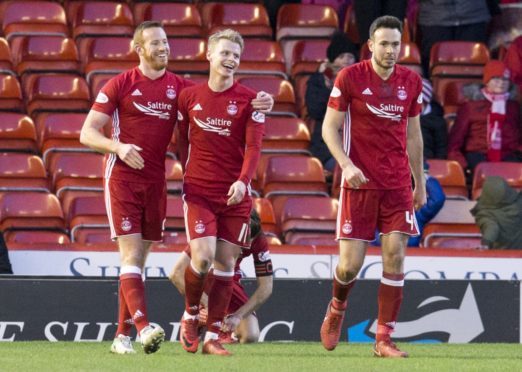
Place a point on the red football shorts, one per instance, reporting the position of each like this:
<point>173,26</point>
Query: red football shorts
<point>361,212</point>
<point>210,216</point>
<point>136,208</point>
<point>238,299</point>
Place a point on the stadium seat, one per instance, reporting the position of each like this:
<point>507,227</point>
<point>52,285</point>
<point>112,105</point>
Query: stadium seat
<point>452,98</point>
<point>22,172</point>
<point>307,55</point>
<point>281,89</point>
<point>286,135</point>
<point>300,86</point>
<point>350,25</point>
<point>336,181</point>
<point>304,21</point>
<point>36,237</point>
<point>175,237</point>
<point>57,92</point>
<point>87,216</point>
<point>10,94</point>
<point>273,240</point>
<point>250,20</point>
<point>108,55</point>
<point>294,175</point>
<point>22,18</point>
<point>188,56</point>
<point>174,176</point>
<point>262,57</point>
<point>17,133</point>
<point>264,208</point>
<point>107,18</point>
<point>27,210</point>
<point>59,131</point>
<point>453,220</point>
<point>451,177</point>
<point>308,216</point>
<point>6,62</point>
<point>45,54</point>
<point>455,242</point>
<point>175,220</point>
<point>97,81</point>
<point>178,20</point>
<point>511,172</point>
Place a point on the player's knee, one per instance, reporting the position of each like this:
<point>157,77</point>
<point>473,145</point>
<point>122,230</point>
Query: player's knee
<point>250,337</point>
<point>346,271</point>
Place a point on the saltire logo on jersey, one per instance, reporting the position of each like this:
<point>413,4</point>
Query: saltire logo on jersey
<point>152,112</point>
<point>383,114</point>
<point>258,117</point>
<point>206,126</point>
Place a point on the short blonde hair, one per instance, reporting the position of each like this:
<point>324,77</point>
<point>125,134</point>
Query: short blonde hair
<point>138,33</point>
<point>227,34</point>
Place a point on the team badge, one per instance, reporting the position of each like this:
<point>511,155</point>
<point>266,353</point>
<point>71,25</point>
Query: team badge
<point>199,228</point>
<point>258,117</point>
<point>171,93</point>
<point>232,108</point>
<point>263,256</point>
<point>126,225</point>
<point>102,98</point>
<point>401,94</point>
<point>347,228</point>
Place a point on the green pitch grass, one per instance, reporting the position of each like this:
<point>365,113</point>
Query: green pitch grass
<point>272,357</point>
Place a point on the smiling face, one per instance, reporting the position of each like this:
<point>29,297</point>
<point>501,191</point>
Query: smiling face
<point>224,57</point>
<point>497,85</point>
<point>153,48</point>
<point>385,45</point>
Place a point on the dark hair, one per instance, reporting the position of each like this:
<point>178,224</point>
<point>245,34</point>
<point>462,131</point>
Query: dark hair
<point>255,223</point>
<point>385,22</point>
<point>138,32</point>
<point>339,44</point>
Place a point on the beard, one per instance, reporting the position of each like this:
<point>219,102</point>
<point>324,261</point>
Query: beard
<point>382,64</point>
<point>155,64</point>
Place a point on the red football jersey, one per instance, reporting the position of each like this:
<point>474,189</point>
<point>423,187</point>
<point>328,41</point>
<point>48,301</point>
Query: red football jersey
<point>376,121</point>
<point>220,136</point>
<point>144,113</point>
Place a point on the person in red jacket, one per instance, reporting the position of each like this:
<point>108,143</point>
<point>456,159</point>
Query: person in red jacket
<point>487,127</point>
<point>513,61</point>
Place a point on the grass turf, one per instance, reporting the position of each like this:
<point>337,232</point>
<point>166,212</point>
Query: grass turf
<point>272,357</point>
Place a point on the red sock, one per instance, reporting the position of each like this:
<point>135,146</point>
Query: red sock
<point>125,321</point>
<point>340,293</point>
<point>194,284</point>
<point>218,301</point>
<point>134,292</point>
<point>390,299</point>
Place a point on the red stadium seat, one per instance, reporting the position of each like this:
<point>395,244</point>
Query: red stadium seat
<point>304,21</point>
<point>108,55</point>
<point>280,89</point>
<point>511,172</point>
<point>174,176</point>
<point>188,56</point>
<point>57,92</point>
<point>6,64</point>
<point>175,237</point>
<point>286,135</point>
<point>17,133</point>
<point>107,18</point>
<point>10,94</point>
<point>34,18</point>
<point>59,131</point>
<point>455,242</point>
<point>250,20</point>
<point>36,237</point>
<point>23,210</point>
<point>262,57</point>
<point>264,208</point>
<point>22,172</point>
<point>97,81</point>
<point>175,218</point>
<point>309,216</point>
<point>453,220</point>
<point>307,55</point>
<point>178,20</point>
<point>88,215</point>
<point>350,25</point>
<point>45,54</point>
<point>451,177</point>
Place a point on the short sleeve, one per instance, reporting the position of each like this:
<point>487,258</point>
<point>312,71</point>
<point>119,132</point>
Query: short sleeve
<point>340,95</point>
<point>107,99</point>
<point>416,104</point>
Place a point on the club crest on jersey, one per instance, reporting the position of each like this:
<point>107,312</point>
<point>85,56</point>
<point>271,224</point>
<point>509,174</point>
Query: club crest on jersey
<point>232,108</point>
<point>347,228</point>
<point>126,225</point>
<point>401,94</point>
<point>258,117</point>
<point>102,98</point>
<point>200,227</point>
<point>171,93</point>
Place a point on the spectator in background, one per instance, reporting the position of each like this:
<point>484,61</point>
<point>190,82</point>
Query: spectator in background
<point>366,11</point>
<point>498,214</point>
<point>487,127</point>
<point>443,20</point>
<point>340,53</point>
<point>433,126</point>
<point>435,201</point>
<point>513,61</point>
